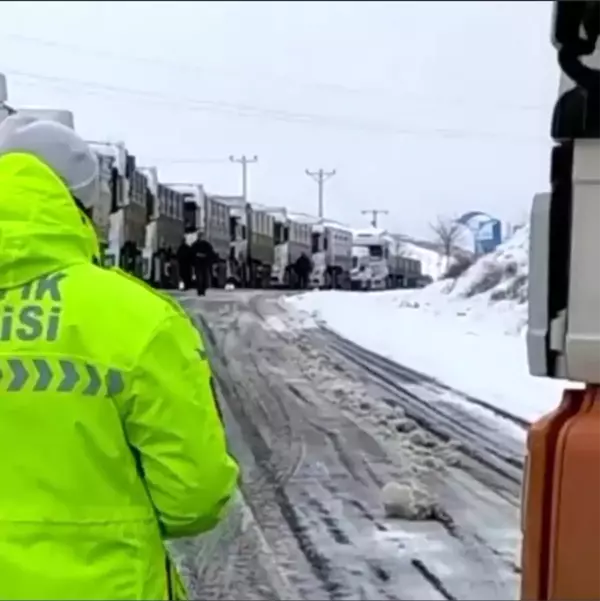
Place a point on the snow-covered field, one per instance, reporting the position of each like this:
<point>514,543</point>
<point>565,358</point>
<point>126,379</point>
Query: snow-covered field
<point>468,332</point>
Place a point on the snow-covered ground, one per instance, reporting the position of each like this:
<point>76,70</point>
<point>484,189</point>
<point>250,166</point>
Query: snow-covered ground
<point>469,332</point>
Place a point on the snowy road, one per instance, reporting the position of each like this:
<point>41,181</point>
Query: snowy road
<point>319,426</point>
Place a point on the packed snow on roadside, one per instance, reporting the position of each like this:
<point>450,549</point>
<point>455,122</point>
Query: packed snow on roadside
<point>468,332</point>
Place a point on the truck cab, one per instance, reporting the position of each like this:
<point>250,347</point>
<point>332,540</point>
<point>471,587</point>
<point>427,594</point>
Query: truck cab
<point>370,249</point>
<point>292,238</point>
<point>236,255</point>
<point>262,246</point>
<point>115,167</point>
<point>208,214</point>
<point>331,247</point>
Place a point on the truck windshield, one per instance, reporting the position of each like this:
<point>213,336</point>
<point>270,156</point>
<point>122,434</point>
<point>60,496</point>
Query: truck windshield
<point>315,242</point>
<point>376,251</point>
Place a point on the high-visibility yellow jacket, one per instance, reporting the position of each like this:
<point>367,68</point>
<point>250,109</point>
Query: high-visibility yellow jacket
<point>110,441</point>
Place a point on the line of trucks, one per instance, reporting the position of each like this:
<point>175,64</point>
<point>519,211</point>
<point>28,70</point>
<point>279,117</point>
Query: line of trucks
<point>256,246</point>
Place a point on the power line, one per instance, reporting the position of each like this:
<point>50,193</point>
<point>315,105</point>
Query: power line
<point>374,214</point>
<point>281,115</point>
<point>266,76</point>
<point>186,161</point>
<point>320,176</point>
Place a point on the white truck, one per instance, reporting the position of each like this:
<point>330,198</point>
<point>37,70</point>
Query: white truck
<point>331,252</point>
<point>208,214</point>
<point>292,238</point>
<point>127,187</point>
<point>370,260</point>
<point>378,262</point>
<point>113,222</point>
<point>104,203</point>
<point>252,243</point>
<point>262,246</point>
<point>331,255</point>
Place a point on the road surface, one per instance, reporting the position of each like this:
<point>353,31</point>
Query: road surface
<point>319,426</point>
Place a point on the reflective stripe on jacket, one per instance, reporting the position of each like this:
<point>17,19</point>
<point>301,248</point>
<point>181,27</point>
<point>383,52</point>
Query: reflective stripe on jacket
<point>109,438</point>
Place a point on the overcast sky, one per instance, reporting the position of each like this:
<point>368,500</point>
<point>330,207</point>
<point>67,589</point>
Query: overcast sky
<point>423,108</point>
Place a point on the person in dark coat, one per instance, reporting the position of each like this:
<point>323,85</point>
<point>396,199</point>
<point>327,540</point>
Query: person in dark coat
<point>203,257</point>
<point>128,255</point>
<point>303,267</point>
<point>161,274</point>
<point>184,260</point>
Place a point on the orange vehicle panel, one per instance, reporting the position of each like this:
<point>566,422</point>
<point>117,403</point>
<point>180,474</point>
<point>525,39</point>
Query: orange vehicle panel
<point>561,511</point>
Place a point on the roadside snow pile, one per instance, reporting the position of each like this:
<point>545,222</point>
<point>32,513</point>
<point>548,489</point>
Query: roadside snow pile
<point>501,275</point>
<point>494,288</point>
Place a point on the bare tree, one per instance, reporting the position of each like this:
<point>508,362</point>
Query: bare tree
<point>449,233</point>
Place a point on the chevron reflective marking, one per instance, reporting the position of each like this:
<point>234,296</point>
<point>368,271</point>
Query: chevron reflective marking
<point>70,376</point>
<point>94,383</point>
<point>45,375</point>
<point>114,382</point>
<point>19,375</point>
<point>41,374</point>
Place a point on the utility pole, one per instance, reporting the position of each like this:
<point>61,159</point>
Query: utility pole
<point>320,176</point>
<point>244,161</point>
<point>374,213</point>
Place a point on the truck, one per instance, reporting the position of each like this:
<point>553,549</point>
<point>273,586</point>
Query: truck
<point>128,214</point>
<point>250,263</point>
<point>65,117</point>
<point>207,214</point>
<point>262,246</point>
<point>404,272</point>
<point>378,262</point>
<point>292,238</point>
<point>331,252</point>
<point>370,260</point>
<point>331,255</point>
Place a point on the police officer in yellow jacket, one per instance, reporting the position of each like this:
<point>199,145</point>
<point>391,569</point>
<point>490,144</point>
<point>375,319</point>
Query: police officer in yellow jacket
<point>110,442</point>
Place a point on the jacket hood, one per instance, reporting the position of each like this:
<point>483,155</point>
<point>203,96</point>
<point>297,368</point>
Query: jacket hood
<point>41,228</point>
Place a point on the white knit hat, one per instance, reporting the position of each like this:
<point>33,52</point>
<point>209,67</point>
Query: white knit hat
<point>59,147</point>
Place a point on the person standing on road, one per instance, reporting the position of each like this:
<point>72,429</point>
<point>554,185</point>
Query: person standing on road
<point>184,260</point>
<point>110,438</point>
<point>303,267</point>
<point>203,257</point>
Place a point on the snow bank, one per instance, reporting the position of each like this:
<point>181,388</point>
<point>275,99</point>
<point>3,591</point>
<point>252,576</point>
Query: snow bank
<point>493,288</point>
<point>501,275</point>
<point>469,332</point>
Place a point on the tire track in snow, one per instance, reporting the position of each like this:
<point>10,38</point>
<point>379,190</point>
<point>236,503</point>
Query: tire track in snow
<point>477,551</point>
<point>265,491</point>
<point>344,570</point>
<point>316,523</point>
<point>449,421</point>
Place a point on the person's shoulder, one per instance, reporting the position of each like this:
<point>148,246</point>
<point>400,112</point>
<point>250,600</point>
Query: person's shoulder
<point>124,296</point>
<point>118,314</point>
